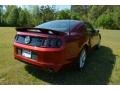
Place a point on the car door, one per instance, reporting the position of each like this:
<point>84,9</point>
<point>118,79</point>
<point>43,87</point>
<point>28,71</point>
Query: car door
<point>93,34</point>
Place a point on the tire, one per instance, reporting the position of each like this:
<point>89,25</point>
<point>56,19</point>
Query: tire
<point>81,59</point>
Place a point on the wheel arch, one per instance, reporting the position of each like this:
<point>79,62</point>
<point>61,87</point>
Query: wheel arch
<point>86,46</point>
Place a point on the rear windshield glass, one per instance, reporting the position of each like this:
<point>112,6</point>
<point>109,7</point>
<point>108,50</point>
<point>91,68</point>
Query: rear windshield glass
<point>58,25</point>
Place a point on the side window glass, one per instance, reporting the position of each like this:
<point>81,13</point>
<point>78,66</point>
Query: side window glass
<point>79,28</point>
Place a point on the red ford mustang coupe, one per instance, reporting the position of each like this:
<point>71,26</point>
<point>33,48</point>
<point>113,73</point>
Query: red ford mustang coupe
<point>53,44</point>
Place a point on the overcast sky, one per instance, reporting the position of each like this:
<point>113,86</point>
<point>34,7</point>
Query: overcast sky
<point>58,7</point>
<point>61,7</point>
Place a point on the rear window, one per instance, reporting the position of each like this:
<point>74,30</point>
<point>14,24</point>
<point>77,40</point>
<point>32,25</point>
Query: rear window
<point>58,25</point>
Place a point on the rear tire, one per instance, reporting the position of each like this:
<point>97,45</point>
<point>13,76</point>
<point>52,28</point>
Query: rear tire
<point>81,59</point>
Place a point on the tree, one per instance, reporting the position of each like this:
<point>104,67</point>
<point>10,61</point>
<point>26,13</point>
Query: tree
<point>36,15</point>
<point>22,18</point>
<point>64,14</point>
<point>13,15</point>
<point>1,14</point>
<point>47,13</point>
<point>81,11</point>
<point>105,21</point>
<point>95,11</point>
<point>106,16</point>
<point>42,14</point>
<point>116,17</point>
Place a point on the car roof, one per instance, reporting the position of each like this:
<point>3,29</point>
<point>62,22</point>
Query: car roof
<point>73,23</point>
<point>69,21</point>
<point>76,22</point>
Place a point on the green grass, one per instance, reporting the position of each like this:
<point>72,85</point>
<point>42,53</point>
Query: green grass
<point>103,65</point>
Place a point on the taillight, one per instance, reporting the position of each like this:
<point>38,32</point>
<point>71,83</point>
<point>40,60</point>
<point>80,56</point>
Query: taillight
<point>39,41</point>
<point>52,42</point>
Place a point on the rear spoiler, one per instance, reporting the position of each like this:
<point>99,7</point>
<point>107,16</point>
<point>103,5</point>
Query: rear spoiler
<point>39,30</point>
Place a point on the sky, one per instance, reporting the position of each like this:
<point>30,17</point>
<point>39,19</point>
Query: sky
<point>61,7</point>
<point>58,7</point>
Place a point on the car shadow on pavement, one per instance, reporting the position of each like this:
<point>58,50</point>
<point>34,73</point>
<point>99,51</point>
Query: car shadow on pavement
<point>98,70</point>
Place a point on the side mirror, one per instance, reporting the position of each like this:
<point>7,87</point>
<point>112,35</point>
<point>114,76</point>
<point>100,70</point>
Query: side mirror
<point>97,30</point>
<point>93,31</point>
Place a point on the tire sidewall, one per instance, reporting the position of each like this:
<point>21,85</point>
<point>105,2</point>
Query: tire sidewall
<point>78,61</point>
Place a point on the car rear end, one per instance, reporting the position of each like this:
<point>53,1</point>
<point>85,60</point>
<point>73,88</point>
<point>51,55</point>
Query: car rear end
<point>39,47</point>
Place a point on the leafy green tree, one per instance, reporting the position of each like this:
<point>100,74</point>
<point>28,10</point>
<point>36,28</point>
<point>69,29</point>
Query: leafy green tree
<point>47,13</point>
<point>36,15</point>
<point>22,18</point>
<point>1,14</point>
<point>12,17</point>
<point>64,14</point>
<point>105,16</point>
<point>81,11</point>
<point>42,14</point>
<point>95,11</point>
<point>116,17</point>
<point>75,16</point>
<point>105,21</point>
<point>29,19</point>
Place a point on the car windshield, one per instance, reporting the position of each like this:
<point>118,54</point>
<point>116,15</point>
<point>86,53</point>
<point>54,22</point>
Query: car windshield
<point>57,25</point>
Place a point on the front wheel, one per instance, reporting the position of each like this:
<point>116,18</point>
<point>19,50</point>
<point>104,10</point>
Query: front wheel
<point>82,59</point>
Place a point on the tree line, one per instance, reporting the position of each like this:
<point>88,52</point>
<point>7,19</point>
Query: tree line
<point>103,16</point>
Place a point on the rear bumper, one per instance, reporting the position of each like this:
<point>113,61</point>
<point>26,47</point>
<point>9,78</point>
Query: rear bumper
<point>47,58</point>
<point>55,67</point>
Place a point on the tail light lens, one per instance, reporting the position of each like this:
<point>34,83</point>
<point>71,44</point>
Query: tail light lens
<point>52,43</point>
<point>40,42</point>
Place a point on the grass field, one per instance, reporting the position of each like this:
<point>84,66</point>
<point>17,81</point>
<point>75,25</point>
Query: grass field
<point>103,65</point>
